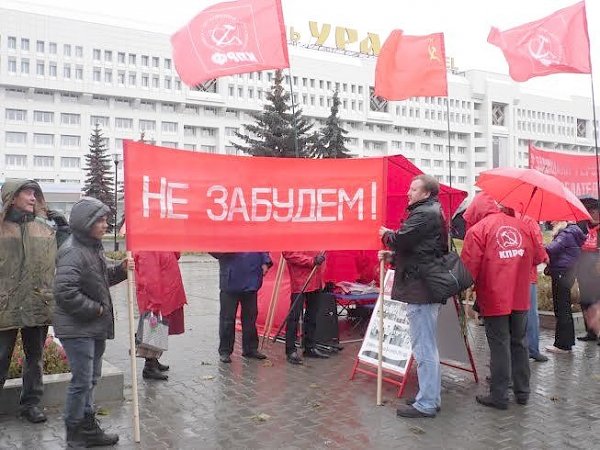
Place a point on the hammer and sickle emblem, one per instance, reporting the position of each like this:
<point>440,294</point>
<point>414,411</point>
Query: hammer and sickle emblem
<point>225,39</point>
<point>537,47</point>
<point>432,50</point>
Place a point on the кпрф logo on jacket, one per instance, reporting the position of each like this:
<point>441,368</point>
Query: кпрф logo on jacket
<point>510,241</point>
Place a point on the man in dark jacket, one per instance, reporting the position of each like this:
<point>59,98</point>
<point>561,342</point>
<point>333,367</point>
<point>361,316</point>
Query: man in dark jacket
<point>84,316</point>
<point>240,278</point>
<point>28,242</point>
<point>421,237</point>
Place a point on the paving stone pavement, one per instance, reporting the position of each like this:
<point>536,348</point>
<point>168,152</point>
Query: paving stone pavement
<point>258,405</point>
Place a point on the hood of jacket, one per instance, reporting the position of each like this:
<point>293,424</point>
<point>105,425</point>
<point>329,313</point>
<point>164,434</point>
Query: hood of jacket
<point>575,231</point>
<point>482,206</point>
<point>84,214</point>
<point>11,188</point>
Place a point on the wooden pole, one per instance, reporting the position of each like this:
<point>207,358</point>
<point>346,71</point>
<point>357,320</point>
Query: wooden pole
<point>273,302</point>
<point>132,353</point>
<point>380,332</point>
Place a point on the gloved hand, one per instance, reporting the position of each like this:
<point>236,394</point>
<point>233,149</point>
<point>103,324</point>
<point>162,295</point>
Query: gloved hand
<point>57,217</point>
<point>319,259</point>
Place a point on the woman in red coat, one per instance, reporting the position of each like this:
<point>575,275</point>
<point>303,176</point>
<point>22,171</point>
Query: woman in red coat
<point>160,290</point>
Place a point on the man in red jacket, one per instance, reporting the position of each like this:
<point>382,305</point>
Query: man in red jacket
<point>300,265</point>
<point>499,251</point>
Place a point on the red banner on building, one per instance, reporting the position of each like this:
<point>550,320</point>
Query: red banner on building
<point>577,172</point>
<point>181,200</point>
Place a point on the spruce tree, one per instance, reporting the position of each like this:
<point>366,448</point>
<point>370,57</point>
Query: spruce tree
<point>332,137</point>
<point>99,176</point>
<point>277,128</point>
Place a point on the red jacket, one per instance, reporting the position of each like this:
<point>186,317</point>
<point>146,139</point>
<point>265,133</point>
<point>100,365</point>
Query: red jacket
<point>158,282</point>
<point>499,251</point>
<point>300,265</point>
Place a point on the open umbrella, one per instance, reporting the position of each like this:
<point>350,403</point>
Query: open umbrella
<point>532,193</point>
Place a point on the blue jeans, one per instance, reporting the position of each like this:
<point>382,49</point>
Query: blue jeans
<point>85,361</point>
<point>422,320</point>
<point>533,323</point>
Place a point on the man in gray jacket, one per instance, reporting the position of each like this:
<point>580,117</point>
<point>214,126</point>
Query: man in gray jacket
<point>84,317</point>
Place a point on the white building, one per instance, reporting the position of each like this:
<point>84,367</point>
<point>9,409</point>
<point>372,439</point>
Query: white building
<point>59,77</point>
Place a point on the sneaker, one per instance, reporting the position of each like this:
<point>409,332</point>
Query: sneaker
<point>539,357</point>
<point>411,401</point>
<point>490,402</point>
<point>254,355</point>
<point>93,435</point>
<point>293,358</point>
<point>558,351</point>
<point>411,412</point>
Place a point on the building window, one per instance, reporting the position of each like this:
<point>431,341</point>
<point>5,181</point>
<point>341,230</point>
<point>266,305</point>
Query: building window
<point>169,127</point>
<point>108,55</point>
<point>97,54</point>
<point>70,141</point>
<point>208,148</point>
<point>25,44</point>
<point>39,46</point>
<point>178,84</point>
<point>102,121</point>
<point>52,48</point>
<point>121,77</point>
<point>15,160</point>
<point>147,125</point>
<point>167,82</point>
<point>67,71</point>
<point>499,114</point>
<point>123,123</point>
<point>40,68</point>
<point>15,138</point>
<point>168,107</point>
<point>145,80</point>
<point>12,42</point>
<point>191,147</point>
<point>121,58</point>
<point>79,73</point>
<point>230,131</point>
<point>108,76</point>
<point>70,119</point>
<point>581,128</point>
<point>43,140</point>
<point>67,50</point>
<point>155,62</point>
<point>97,74</point>
<point>147,105</point>
<point>155,82</point>
<point>12,65</point>
<point>43,116</point>
<point>132,59</point>
<point>167,64</point>
<point>70,162</point>
<point>169,144</point>
<point>79,51</point>
<point>209,132</point>
<point>43,161</point>
<point>131,79</point>
<point>145,60</point>
<point>16,115</point>
<point>24,66</point>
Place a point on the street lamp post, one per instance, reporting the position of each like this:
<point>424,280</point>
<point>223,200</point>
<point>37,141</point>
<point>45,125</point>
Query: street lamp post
<point>116,157</point>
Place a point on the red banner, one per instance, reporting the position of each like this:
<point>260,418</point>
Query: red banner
<point>179,200</point>
<point>577,172</point>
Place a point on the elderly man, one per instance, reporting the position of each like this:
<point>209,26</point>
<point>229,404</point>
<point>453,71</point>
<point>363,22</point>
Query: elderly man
<point>421,237</point>
<point>28,242</point>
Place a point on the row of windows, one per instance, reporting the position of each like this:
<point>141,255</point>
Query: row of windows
<point>13,160</point>
<point>20,115</point>
<point>69,50</point>
<point>99,75</point>
<point>540,115</point>
<point>17,138</point>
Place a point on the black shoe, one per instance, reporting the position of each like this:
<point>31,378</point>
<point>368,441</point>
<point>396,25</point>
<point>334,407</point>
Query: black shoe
<point>33,414</point>
<point>254,355</point>
<point>161,367</point>
<point>93,435</point>
<point>152,372</point>
<point>587,337</point>
<point>411,401</point>
<point>411,412</point>
<point>489,401</point>
<point>522,400</point>
<point>293,358</point>
<point>315,353</point>
<point>539,357</point>
<point>74,437</point>
<point>225,359</point>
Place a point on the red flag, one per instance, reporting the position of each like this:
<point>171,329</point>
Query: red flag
<point>411,66</point>
<point>229,38</point>
<point>558,43</point>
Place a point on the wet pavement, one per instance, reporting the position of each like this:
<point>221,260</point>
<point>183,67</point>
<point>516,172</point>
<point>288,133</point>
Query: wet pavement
<point>253,404</point>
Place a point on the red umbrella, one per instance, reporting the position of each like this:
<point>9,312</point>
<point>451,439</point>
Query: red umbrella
<point>532,193</point>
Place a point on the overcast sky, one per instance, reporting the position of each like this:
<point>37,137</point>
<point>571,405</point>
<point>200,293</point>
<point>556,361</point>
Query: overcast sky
<point>466,24</point>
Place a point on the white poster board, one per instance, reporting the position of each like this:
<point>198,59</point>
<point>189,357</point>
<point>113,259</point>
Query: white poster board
<point>396,338</point>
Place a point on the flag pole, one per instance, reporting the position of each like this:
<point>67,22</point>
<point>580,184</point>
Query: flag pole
<point>296,150</point>
<point>449,146</point>
<point>132,352</point>
<point>595,139</point>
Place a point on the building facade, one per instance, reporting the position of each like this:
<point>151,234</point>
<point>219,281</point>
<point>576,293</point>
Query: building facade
<point>60,77</point>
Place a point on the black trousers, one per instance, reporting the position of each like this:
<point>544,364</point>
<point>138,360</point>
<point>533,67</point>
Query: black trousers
<point>229,304</point>
<point>509,357</point>
<point>564,336</point>
<point>309,323</point>
<point>33,347</point>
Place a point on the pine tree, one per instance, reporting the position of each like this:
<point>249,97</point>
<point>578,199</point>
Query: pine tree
<point>332,137</point>
<point>99,177</point>
<point>277,128</point>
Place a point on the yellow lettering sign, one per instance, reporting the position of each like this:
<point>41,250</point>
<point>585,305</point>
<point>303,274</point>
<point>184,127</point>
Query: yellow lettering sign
<point>345,36</point>
<point>322,34</point>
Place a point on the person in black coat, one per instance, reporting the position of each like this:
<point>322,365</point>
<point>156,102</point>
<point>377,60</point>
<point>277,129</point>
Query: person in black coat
<point>84,316</point>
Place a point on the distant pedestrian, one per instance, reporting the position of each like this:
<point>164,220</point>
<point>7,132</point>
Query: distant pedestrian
<point>160,290</point>
<point>84,316</point>
<point>240,277</point>
<point>564,252</point>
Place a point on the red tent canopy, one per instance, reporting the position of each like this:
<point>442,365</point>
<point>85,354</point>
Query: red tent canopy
<point>358,265</point>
